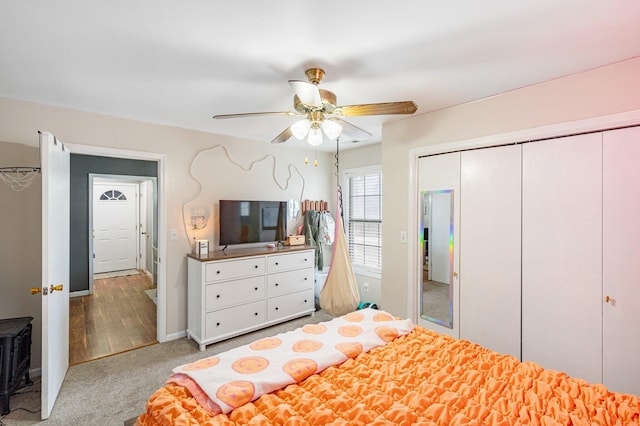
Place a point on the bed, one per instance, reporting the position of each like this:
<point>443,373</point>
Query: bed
<point>391,373</point>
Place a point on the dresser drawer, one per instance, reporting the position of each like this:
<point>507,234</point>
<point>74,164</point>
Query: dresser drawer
<point>289,282</point>
<point>290,304</point>
<point>231,293</point>
<point>232,269</point>
<point>286,262</point>
<point>233,320</point>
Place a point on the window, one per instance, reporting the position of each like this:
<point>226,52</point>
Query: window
<point>364,218</point>
<point>113,195</point>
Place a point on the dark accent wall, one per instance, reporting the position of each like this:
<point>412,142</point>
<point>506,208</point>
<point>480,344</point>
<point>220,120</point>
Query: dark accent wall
<point>81,166</point>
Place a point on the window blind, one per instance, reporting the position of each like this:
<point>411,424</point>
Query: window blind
<point>365,220</point>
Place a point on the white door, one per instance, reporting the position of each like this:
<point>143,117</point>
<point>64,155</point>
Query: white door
<point>115,243</point>
<point>562,255</point>
<point>440,174</point>
<point>490,222</point>
<point>621,268</point>
<point>54,160</point>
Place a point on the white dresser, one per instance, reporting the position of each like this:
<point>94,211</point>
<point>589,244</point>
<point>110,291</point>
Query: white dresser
<point>241,290</point>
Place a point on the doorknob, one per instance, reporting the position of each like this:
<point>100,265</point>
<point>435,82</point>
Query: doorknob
<point>55,288</point>
<point>36,290</point>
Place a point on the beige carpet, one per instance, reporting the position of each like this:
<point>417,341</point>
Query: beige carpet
<point>112,390</point>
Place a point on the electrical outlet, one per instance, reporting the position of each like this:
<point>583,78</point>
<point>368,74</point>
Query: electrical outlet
<point>365,287</point>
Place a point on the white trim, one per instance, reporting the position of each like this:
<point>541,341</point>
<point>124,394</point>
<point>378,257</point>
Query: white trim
<point>176,336</point>
<point>79,293</point>
<point>35,372</point>
<point>593,124</point>
<point>161,323</point>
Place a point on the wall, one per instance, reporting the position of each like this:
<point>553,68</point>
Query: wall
<point>607,90</point>
<point>81,166</point>
<point>20,244</point>
<point>369,155</point>
<point>20,122</point>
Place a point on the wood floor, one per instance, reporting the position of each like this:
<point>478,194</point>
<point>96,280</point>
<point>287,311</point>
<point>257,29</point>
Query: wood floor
<point>117,317</point>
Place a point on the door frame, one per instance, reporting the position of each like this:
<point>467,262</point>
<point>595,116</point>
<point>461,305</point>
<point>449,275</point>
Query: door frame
<point>161,159</point>
<point>127,179</point>
<point>414,264</point>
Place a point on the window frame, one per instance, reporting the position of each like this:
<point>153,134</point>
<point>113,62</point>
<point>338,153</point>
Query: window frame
<point>375,272</point>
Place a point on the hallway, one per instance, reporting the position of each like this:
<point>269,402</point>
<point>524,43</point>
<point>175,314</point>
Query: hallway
<point>118,317</point>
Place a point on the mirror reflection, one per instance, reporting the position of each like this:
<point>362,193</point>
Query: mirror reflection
<point>436,236</point>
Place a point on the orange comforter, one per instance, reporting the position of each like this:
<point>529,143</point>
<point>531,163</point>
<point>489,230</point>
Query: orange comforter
<point>421,378</point>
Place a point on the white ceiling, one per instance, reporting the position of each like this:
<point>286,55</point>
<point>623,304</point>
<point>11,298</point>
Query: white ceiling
<point>180,62</point>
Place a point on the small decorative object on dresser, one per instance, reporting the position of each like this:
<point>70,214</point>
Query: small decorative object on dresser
<point>236,291</point>
<point>15,357</point>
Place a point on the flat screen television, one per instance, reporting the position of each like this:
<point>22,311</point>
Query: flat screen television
<point>245,222</point>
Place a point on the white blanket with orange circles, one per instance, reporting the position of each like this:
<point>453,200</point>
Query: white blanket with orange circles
<point>231,379</point>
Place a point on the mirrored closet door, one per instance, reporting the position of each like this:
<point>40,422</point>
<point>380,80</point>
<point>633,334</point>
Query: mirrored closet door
<point>438,233</point>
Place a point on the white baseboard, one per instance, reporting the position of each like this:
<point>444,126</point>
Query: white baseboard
<point>79,293</point>
<point>35,372</point>
<point>176,336</point>
<point>149,274</point>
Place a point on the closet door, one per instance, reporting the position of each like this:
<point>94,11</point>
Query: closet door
<point>621,266</point>
<point>438,302</point>
<point>490,225</point>
<point>562,255</point>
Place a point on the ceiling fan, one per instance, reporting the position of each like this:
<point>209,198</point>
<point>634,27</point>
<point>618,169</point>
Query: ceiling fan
<point>322,115</point>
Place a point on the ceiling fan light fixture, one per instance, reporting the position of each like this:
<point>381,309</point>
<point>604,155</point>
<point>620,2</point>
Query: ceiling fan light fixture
<point>300,128</point>
<point>331,129</point>
<point>315,136</point>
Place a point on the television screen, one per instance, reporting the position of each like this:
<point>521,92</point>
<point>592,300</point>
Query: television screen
<point>244,222</point>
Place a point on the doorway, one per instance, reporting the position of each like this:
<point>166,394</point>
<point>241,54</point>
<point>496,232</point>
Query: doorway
<point>130,293</point>
<point>119,313</point>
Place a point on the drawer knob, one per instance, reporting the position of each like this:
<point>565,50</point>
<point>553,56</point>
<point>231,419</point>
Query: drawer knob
<point>277,308</point>
<point>217,324</point>
<point>255,288</point>
<point>305,278</point>
<point>276,263</point>
<point>277,284</point>
<point>255,313</point>
<point>217,296</point>
<point>305,259</point>
<point>255,266</point>
<point>217,272</point>
<point>305,300</point>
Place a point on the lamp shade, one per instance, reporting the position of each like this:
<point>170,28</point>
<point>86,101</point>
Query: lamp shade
<point>300,128</point>
<point>315,137</point>
<point>331,129</point>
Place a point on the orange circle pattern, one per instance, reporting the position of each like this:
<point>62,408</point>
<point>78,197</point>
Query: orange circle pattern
<point>387,333</point>
<point>236,394</point>
<point>350,349</point>
<point>307,346</point>
<point>382,317</point>
<point>350,330</point>
<point>250,365</point>
<point>354,317</point>
<point>300,369</point>
<point>314,329</point>
<point>202,364</point>
<point>265,344</point>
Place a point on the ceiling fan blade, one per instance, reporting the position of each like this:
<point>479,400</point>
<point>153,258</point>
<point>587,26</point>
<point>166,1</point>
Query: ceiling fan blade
<point>405,107</point>
<point>284,136</point>
<point>255,114</point>
<point>355,133</point>
<point>308,93</point>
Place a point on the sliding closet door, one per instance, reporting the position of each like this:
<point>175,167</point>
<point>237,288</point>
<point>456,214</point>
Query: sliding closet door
<point>562,255</point>
<point>621,265</point>
<point>490,248</point>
